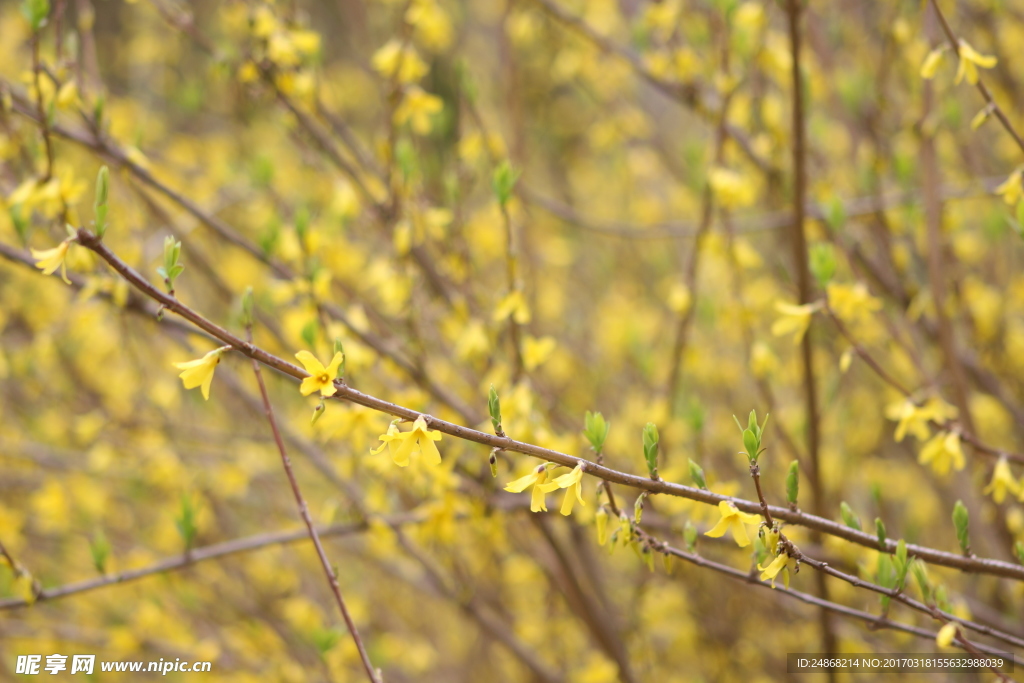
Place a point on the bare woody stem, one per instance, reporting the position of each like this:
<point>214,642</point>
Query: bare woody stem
<point>347,393</point>
<point>755,474</point>
<point>332,578</point>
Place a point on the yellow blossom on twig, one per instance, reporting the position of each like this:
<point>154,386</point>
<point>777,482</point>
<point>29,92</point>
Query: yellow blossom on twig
<point>795,320</point>
<point>942,453</point>
<point>733,520</point>
<point>970,60</point>
<point>199,372</point>
<point>320,378</point>
<point>779,564</point>
<point>418,438</point>
<point>49,260</point>
<point>537,478</point>
<point>1002,482</point>
<point>573,485</point>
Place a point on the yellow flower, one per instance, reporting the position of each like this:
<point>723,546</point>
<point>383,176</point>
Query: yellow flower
<point>537,351</point>
<point>1002,481</point>
<point>731,189</point>
<point>417,107</point>
<point>536,479</point>
<point>795,320</point>
<point>942,453</point>
<point>199,372</point>
<point>931,63</point>
<point>1012,189</point>
<point>914,419</point>
<point>601,519</point>
<point>514,304</point>
<point>779,564</point>
<point>320,378</point>
<point>946,634</point>
<point>733,519</point>
<point>573,485</point>
<point>420,439</point>
<point>970,60</point>
<point>389,439</point>
<point>394,60</point>
<point>852,303</point>
<point>49,260</point>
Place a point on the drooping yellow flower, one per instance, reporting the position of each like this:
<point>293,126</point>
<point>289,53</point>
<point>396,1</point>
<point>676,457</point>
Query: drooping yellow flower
<point>1002,481</point>
<point>943,452</point>
<point>601,519</point>
<point>419,438</point>
<point>1012,189</point>
<point>779,564</point>
<point>946,634</point>
<point>733,520</point>
<point>537,351</point>
<point>573,485</point>
<point>199,372</point>
<point>417,108</point>
<point>970,60</point>
<point>49,260</point>
<point>795,320</point>
<point>320,378</point>
<point>537,478</point>
<point>398,61</point>
<point>931,63</point>
<point>914,418</point>
<point>514,304</point>
<point>852,303</point>
<point>731,189</point>
<point>390,439</point>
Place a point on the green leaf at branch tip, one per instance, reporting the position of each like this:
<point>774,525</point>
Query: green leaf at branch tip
<point>248,307</point>
<point>99,548</point>
<point>793,483</point>
<point>920,572</point>
<point>960,522</point>
<point>494,408</point>
<point>340,348</point>
<point>650,439</point>
<point>697,475</point>
<point>752,435</point>
<point>1018,550</point>
<point>100,207</point>
<point>849,518</point>
<point>880,532</point>
<point>595,429</point>
<point>504,182</point>
<point>35,13</point>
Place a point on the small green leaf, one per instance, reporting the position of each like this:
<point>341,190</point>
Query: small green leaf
<point>504,182</point>
<point>849,518</point>
<point>960,522</point>
<point>793,482</point>
<point>823,263</point>
<point>186,521</point>
<point>494,408</point>
<point>697,475</point>
<point>880,531</point>
<point>99,548</point>
<point>650,439</point>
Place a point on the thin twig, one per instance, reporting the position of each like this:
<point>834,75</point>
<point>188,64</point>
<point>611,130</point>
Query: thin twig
<point>332,578</point>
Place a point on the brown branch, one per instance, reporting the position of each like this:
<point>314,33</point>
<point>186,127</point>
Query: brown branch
<point>332,577</point>
<point>347,393</point>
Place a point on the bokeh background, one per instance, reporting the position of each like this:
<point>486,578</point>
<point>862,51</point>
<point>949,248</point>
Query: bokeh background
<point>339,158</point>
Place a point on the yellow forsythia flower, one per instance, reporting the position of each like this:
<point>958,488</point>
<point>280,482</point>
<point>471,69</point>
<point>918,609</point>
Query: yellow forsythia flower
<point>945,636</point>
<point>49,260</point>
<point>199,372</point>
<point>1012,189</point>
<point>733,520</point>
<point>943,452</point>
<point>573,485</point>
<point>852,303</point>
<point>779,564</point>
<point>1002,481</point>
<point>537,351</point>
<point>417,108</point>
<point>400,62</point>
<point>514,304</point>
<point>418,439</point>
<point>320,378</point>
<point>970,60</point>
<point>931,63</point>
<point>795,320</point>
<point>536,479</point>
